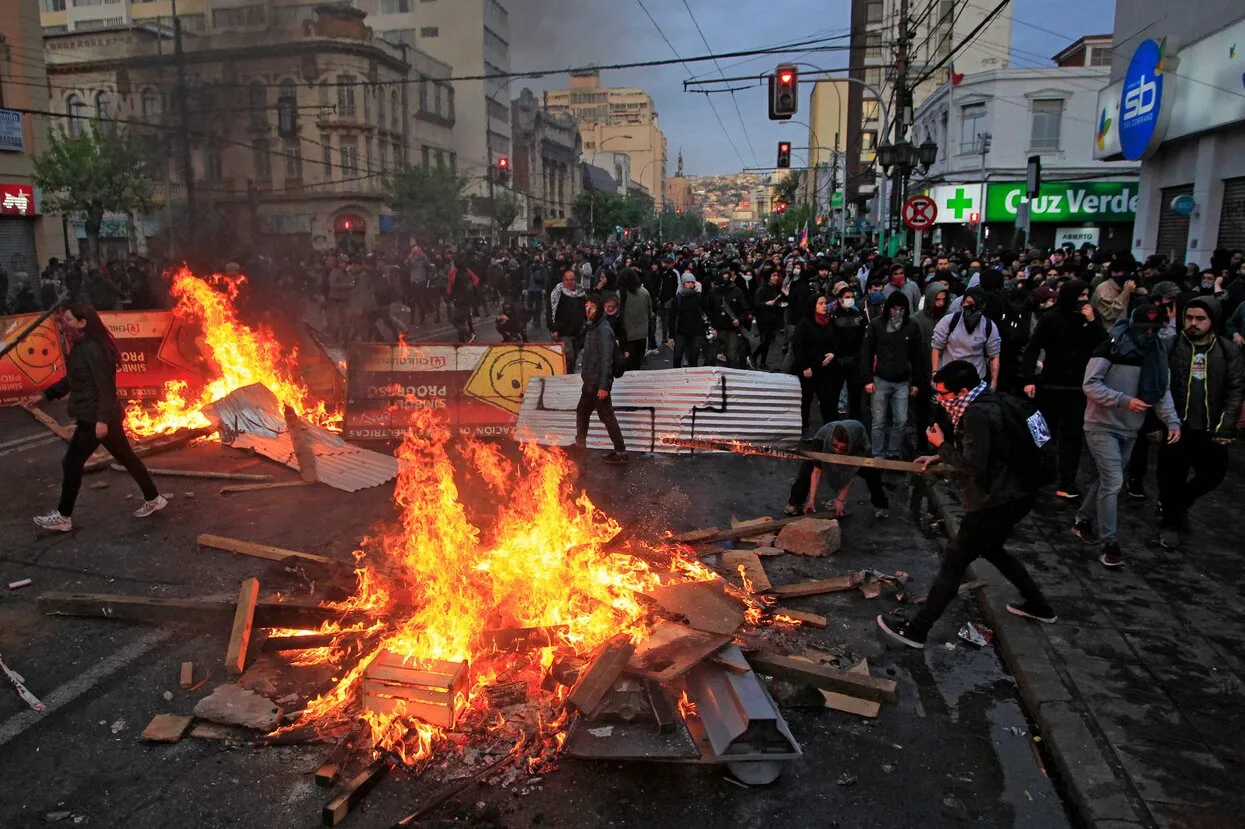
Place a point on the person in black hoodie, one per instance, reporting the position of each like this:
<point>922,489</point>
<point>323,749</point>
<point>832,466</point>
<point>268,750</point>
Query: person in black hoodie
<point>685,323</point>
<point>813,346</point>
<point>1067,335</point>
<point>91,383</point>
<point>729,313</point>
<point>849,335</point>
<point>768,312</point>
<point>892,358</point>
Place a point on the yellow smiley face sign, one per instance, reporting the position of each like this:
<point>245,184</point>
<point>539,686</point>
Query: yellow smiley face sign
<point>502,374</point>
<point>38,357</point>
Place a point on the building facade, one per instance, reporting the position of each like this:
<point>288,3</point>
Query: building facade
<point>1176,105</point>
<point>545,165</point>
<point>679,195</point>
<point>989,125</point>
<point>940,27</point>
<point>27,238</point>
<point>827,135</point>
<point>619,120</point>
<point>292,129</point>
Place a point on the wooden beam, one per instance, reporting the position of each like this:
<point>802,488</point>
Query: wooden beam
<point>180,611</point>
<point>824,677</point>
<point>356,789</point>
<point>243,619</point>
<point>596,680</point>
<point>187,676</point>
<point>198,473</point>
<point>226,490</point>
<point>274,644</point>
<point>250,548</point>
<point>62,432</point>
<point>334,764</point>
<point>808,619</point>
<point>702,537</point>
<point>302,447</point>
<point>732,560</point>
<point>813,588</point>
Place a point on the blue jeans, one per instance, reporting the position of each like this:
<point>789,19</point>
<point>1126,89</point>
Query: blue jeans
<point>892,397</point>
<point>1110,452</point>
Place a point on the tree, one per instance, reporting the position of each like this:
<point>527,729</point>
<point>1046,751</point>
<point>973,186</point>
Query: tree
<point>506,209</point>
<point>600,211</point>
<point>428,200</point>
<point>102,170</point>
<point>785,190</point>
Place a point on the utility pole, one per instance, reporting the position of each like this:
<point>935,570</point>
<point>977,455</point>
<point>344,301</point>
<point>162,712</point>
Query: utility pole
<point>984,138</point>
<point>188,170</point>
<point>903,99</point>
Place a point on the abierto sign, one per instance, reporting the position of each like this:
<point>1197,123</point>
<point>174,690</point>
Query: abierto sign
<point>1065,201</point>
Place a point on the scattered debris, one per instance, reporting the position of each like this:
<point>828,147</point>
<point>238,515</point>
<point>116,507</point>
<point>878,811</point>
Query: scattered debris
<point>807,619</point>
<point>19,682</point>
<point>19,584</point>
<point>186,677</point>
<point>874,581</point>
<point>244,618</point>
<point>165,728</point>
<point>976,634</point>
<point>56,817</point>
<point>168,696</point>
<point>334,764</point>
<point>811,537</point>
<point>355,790</point>
<point>813,588</point>
<point>100,485</point>
<point>846,779</point>
<point>232,704</point>
<point>118,726</point>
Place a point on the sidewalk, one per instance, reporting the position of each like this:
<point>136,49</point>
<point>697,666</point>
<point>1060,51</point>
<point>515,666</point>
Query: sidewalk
<point>1137,690</point>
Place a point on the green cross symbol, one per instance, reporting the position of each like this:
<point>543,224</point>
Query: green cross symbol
<point>959,203</point>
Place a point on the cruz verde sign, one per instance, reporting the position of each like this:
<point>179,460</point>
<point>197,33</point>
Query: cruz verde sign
<point>1065,201</point>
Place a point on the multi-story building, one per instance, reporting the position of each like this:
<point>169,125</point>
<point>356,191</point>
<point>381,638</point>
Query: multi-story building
<point>990,124</point>
<point>545,165</point>
<point>827,135</point>
<point>937,28</point>
<point>619,120</point>
<point>679,195</point>
<point>1176,104</point>
<point>292,128</point>
<point>27,239</point>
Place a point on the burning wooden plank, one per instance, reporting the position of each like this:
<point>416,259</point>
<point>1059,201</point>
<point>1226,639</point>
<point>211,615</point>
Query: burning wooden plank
<point>506,693</point>
<point>521,639</point>
<point>426,689</point>
<point>352,795</point>
<point>671,650</point>
<point>596,680</point>
<point>334,764</point>
<point>753,572</point>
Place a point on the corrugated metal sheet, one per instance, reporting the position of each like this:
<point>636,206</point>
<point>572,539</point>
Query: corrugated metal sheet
<point>252,409</point>
<point>706,402</point>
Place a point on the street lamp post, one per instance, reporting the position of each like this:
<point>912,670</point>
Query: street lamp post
<point>904,157</point>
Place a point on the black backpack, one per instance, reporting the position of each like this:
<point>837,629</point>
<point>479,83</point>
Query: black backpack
<point>620,360</point>
<point>1031,449</point>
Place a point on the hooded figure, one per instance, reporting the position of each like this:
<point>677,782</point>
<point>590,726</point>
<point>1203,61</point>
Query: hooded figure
<point>968,335</point>
<point>842,437</point>
<point>892,361</point>
<point>931,311</point>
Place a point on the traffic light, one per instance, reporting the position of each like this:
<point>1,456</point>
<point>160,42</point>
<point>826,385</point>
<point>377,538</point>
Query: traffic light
<point>784,154</point>
<point>784,87</point>
<point>780,207</point>
<point>974,218</point>
<point>503,170</point>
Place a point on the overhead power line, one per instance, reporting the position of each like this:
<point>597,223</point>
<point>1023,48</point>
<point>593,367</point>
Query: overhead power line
<point>734,98</point>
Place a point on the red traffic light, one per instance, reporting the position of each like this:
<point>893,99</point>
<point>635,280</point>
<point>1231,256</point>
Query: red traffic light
<point>974,218</point>
<point>503,163</point>
<point>785,77</point>
<point>784,146</point>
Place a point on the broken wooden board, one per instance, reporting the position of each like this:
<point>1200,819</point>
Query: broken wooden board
<point>356,789</point>
<point>672,650</point>
<point>854,705</point>
<point>837,584</point>
<point>705,604</point>
<point>243,619</point>
<point>300,642</point>
<point>225,490</point>
<point>696,536</point>
<point>266,551</point>
<point>165,728</point>
<point>707,536</point>
<point>180,611</point>
<point>62,432</point>
<point>187,676</point>
<point>824,677</point>
<point>732,560</point>
<point>507,693</point>
<point>523,639</point>
<point>807,619</point>
<point>597,679</point>
<point>334,764</point>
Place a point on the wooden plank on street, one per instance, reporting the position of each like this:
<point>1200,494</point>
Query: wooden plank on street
<point>181,611</point>
<point>807,619</point>
<point>249,548</point>
<point>62,432</point>
<point>837,584</point>
<point>334,764</point>
<point>824,677</point>
<point>186,677</point>
<point>166,728</point>
<point>706,537</point>
<point>732,560</point>
<point>356,789</point>
<point>226,490</point>
<point>243,619</point>
<point>198,473</point>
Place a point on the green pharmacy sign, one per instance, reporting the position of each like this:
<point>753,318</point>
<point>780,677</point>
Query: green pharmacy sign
<point>1065,201</point>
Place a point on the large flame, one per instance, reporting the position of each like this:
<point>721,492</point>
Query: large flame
<point>237,356</point>
<point>541,564</point>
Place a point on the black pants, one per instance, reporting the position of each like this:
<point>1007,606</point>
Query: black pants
<point>82,444</point>
<point>982,535</point>
<point>919,415</point>
<point>589,402</point>
<point>849,376</point>
<point>821,387</point>
<point>635,354</point>
<point>873,477</point>
<point>760,357</point>
<point>1064,410</point>
<point>1195,450</point>
<point>689,347</point>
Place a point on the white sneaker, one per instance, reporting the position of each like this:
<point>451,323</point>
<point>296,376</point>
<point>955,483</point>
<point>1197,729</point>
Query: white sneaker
<point>54,522</point>
<point>149,507</point>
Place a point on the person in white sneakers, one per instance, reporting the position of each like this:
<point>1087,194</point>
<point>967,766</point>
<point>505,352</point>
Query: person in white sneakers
<point>91,383</point>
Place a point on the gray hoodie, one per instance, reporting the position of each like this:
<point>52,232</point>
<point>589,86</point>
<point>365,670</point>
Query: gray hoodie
<point>837,475</point>
<point>1110,382</point>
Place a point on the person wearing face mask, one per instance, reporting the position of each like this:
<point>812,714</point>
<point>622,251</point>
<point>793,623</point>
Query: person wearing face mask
<point>1125,378</point>
<point>968,334</point>
<point>849,335</point>
<point>891,357</point>
<point>685,322</point>
<point>1113,295</point>
<point>875,297</point>
<point>767,305</point>
<point>1052,369</point>
<point>813,347</point>
<point>933,308</point>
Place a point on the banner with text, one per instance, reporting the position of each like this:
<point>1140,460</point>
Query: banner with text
<point>478,387</point>
<point>1065,201</point>
<point>35,364</point>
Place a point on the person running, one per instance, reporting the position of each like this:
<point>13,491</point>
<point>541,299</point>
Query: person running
<point>598,377</point>
<point>995,498</point>
<point>843,437</point>
<point>91,383</point>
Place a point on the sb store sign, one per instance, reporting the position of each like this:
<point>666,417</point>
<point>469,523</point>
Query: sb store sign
<point>17,200</point>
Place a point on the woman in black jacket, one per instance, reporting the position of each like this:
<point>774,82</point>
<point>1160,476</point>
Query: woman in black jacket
<point>813,343</point>
<point>91,383</point>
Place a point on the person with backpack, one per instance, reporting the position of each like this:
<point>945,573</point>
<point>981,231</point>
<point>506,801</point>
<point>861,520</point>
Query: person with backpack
<point>1127,377</point>
<point>601,362</point>
<point>968,335</point>
<point>1208,383</point>
<point>990,462</point>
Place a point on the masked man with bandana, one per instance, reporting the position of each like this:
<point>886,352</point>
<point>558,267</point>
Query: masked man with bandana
<point>1113,294</point>
<point>1126,377</point>
<point>968,335</point>
<point>994,496</point>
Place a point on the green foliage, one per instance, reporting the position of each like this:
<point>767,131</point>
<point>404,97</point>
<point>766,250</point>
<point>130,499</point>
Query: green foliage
<point>674,226</point>
<point>599,212</point>
<point>786,189</point>
<point>429,201</point>
<point>790,222</point>
<point>102,170</point>
<point>507,209</point>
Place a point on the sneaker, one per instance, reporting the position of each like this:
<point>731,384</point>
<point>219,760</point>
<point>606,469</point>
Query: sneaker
<point>1029,610</point>
<point>1135,490</point>
<point>1169,537</point>
<point>616,458</point>
<point>1068,493</point>
<point>149,507</point>
<point>1111,555</point>
<point>897,631</point>
<point>792,509</point>
<point>54,522</point>
<point>1084,530</point>
<point>881,513</point>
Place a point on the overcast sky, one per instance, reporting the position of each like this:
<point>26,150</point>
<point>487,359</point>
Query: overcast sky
<point>547,34</point>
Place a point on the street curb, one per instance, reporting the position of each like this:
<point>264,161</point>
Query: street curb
<point>1097,795</point>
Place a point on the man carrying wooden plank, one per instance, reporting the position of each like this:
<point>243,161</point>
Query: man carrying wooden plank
<point>842,437</point>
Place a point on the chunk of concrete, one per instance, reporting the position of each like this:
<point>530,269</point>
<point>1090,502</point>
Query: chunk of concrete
<point>811,537</point>
<point>233,705</point>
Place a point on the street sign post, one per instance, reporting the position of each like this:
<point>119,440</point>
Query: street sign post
<point>919,213</point>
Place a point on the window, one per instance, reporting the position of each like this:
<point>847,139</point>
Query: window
<point>293,161</point>
<point>454,163</point>
<point>103,106</point>
<point>380,108</point>
<point>395,113</point>
<point>873,12</point>
<point>496,110</point>
<point>868,141</point>
<point>350,157</point>
<point>149,103</point>
<point>73,107</point>
<point>213,169</point>
<point>345,96</point>
<point>383,148</point>
<point>53,5</point>
<point>1047,118</point>
<point>972,124</point>
<point>437,89</point>
<point>399,157</point>
<point>429,31</point>
<point>873,46</point>
<point>80,3</point>
<point>327,141</point>
<point>870,110</point>
<point>395,6</point>
<point>368,169</point>
<point>873,76</point>
<point>261,160</point>
<point>494,41</point>
<point>427,153</point>
<point>240,16</point>
<point>55,30</point>
<point>423,94</point>
<point>257,95</point>
<point>367,103</point>
<point>193,22</point>
<point>449,96</point>
<point>324,92</point>
<point>1100,56</point>
<point>440,160</point>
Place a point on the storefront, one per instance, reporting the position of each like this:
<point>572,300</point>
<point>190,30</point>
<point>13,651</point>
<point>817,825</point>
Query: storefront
<point>18,214</point>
